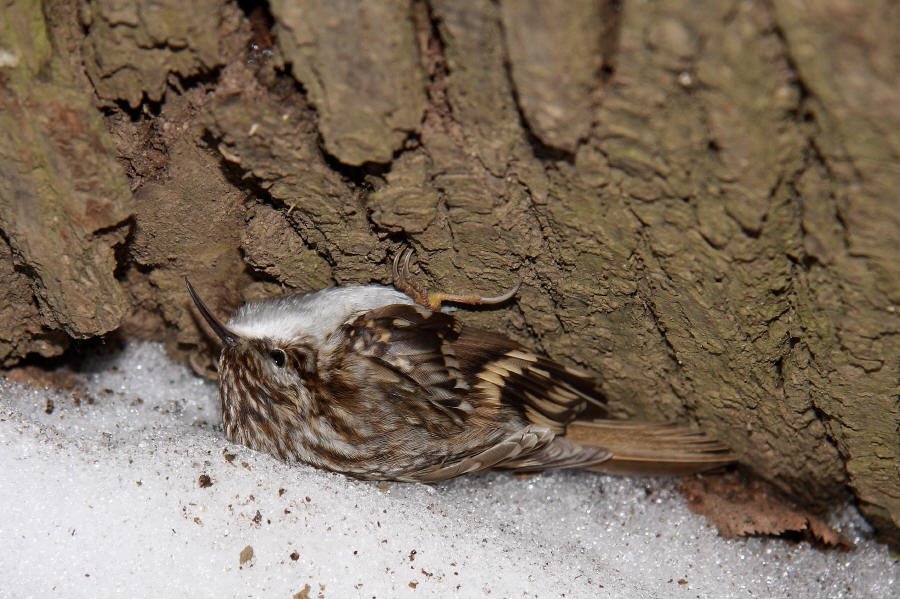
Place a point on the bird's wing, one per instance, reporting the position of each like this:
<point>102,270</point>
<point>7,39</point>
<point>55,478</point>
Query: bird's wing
<point>412,347</point>
<point>527,441</point>
<point>547,393</point>
<point>428,359</point>
<point>448,364</point>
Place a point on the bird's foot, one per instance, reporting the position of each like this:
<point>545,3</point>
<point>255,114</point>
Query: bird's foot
<point>434,300</point>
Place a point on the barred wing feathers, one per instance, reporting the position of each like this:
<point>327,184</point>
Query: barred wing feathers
<point>460,372</point>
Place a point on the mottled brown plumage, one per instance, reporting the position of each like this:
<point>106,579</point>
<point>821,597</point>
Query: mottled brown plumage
<point>369,382</point>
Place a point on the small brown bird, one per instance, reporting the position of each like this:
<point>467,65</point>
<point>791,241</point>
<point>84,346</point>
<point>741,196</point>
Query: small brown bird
<point>378,383</point>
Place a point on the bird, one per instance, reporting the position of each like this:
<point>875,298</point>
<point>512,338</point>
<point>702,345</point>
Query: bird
<point>382,382</point>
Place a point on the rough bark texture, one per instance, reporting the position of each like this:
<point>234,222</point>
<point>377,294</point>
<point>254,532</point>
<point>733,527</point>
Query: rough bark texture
<point>699,199</point>
<point>63,199</point>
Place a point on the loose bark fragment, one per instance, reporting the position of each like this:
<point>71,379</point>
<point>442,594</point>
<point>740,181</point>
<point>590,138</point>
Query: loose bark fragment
<point>407,202</point>
<point>359,64</point>
<point>21,327</point>
<point>133,47</point>
<point>741,508</point>
<point>64,201</point>
<point>479,90</point>
<point>555,54</point>
<point>272,246</point>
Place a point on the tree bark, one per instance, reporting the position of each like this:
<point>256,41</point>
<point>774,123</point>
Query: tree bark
<point>699,199</point>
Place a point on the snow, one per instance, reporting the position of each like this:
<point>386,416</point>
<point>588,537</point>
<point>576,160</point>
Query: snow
<point>104,499</point>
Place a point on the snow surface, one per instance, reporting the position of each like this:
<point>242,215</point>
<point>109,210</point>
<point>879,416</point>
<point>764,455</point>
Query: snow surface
<point>105,499</point>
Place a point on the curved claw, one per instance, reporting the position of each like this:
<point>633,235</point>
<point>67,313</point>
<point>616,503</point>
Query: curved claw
<point>503,297</point>
<point>395,271</point>
<point>398,272</point>
<point>407,255</point>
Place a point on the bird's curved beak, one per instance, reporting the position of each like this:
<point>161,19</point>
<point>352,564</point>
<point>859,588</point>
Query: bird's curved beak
<point>227,336</point>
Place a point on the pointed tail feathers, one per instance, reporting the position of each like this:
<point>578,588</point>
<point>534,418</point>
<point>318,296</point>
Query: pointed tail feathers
<point>643,448</point>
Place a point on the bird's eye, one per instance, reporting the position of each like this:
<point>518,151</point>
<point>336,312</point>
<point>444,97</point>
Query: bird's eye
<point>279,358</point>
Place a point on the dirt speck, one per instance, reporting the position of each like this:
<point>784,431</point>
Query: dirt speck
<point>204,481</point>
<point>80,398</point>
<point>294,556</point>
<point>303,594</point>
<point>246,555</point>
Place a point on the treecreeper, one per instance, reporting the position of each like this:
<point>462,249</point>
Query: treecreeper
<point>377,382</point>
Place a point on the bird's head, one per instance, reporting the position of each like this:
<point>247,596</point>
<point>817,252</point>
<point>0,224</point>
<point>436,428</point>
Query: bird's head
<point>262,376</point>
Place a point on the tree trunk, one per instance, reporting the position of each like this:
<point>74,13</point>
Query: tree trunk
<point>698,198</point>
